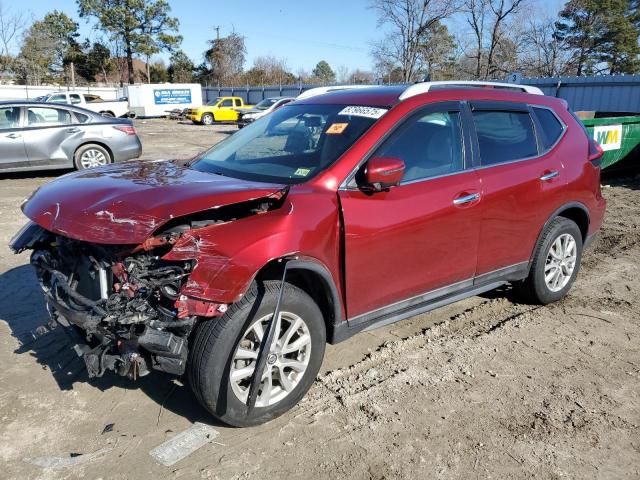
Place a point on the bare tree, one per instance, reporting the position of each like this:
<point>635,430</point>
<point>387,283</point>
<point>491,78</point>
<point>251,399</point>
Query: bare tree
<point>342,74</point>
<point>12,24</point>
<point>488,21</point>
<point>408,22</point>
<point>544,54</point>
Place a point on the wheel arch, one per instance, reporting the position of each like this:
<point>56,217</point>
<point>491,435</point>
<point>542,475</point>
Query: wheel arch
<point>316,280</point>
<point>94,142</point>
<point>574,211</point>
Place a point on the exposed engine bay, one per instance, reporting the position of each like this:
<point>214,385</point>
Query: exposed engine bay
<point>124,302</point>
<point>131,306</point>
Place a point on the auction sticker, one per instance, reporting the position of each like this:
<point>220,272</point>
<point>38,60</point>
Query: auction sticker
<point>361,111</point>
<point>336,128</point>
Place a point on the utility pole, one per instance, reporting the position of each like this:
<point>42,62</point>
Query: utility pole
<point>73,74</point>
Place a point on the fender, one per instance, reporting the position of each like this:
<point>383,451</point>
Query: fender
<point>228,256</point>
<point>555,214</point>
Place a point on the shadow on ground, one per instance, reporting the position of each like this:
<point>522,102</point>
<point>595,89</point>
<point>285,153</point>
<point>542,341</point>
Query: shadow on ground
<point>23,308</point>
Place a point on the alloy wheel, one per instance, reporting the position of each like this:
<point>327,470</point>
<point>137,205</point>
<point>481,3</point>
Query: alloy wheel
<point>287,359</point>
<point>93,158</point>
<point>561,262</point>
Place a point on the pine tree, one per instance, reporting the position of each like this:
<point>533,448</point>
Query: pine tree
<point>603,35</point>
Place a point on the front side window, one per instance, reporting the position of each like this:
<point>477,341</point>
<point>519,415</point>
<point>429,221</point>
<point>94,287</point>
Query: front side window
<point>430,145</point>
<point>9,117</point>
<point>291,145</point>
<point>41,116</point>
<point>504,136</point>
<point>226,103</point>
<point>551,127</point>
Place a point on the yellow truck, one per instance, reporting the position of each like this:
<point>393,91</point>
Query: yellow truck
<point>222,109</point>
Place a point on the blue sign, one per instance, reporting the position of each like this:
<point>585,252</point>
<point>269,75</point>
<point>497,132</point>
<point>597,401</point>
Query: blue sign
<point>170,96</point>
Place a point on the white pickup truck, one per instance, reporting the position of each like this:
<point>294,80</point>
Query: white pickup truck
<point>90,102</point>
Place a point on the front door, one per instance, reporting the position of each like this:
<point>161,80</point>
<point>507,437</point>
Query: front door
<point>12,151</point>
<point>423,234</point>
<point>225,112</point>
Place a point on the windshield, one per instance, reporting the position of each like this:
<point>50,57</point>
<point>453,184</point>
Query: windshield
<point>214,102</point>
<point>266,103</point>
<point>291,145</point>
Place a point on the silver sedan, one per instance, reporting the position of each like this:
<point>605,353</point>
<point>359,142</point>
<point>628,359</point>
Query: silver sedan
<point>38,136</point>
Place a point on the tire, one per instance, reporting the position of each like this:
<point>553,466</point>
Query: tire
<point>107,114</point>
<point>207,119</point>
<point>91,155</point>
<point>537,288</point>
<point>213,356</point>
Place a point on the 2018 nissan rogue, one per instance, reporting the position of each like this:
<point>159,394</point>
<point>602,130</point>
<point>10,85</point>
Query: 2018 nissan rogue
<point>337,213</point>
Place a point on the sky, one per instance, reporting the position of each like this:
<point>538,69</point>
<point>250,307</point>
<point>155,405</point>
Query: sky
<point>303,32</point>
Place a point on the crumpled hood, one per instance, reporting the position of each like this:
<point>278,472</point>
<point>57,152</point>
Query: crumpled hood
<point>125,203</point>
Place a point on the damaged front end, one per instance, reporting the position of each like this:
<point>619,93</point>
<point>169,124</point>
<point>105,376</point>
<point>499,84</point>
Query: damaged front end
<point>122,304</point>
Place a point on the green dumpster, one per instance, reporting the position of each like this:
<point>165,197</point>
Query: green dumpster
<point>617,135</point>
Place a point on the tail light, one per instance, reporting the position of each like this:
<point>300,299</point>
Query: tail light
<point>595,152</point>
<point>128,129</point>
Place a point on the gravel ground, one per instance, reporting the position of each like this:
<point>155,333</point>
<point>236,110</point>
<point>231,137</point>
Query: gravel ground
<point>486,388</point>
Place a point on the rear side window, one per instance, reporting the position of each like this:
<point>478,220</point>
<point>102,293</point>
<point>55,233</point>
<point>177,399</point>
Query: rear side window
<point>504,136</point>
<point>551,127</point>
<point>37,116</point>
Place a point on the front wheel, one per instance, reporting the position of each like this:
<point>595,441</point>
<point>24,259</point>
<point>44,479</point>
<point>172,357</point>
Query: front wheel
<point>224,353</point>
<point>207,119</point>
<point>556,263</point>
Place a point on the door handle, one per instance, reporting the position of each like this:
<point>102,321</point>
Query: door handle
<point>72,130</point>
<point>549,176</point>
<point>472,197</point>
<point>14,135</point>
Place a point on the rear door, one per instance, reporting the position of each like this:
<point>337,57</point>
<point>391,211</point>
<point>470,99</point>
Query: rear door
<point>47,135</point>
<point>422,234</point>
<point>522,183</point>
<point>12,151</point>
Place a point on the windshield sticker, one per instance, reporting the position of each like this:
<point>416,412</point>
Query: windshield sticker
<point>302,172</point>
<point>336,128</point>
<point>360,111</point>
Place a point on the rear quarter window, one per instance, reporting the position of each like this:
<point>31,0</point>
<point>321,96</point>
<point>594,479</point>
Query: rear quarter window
<point>504,136</point>
<point>550,125</point>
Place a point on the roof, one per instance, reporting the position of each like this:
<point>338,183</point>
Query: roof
<point>387,96</point>
<point>373,96</point>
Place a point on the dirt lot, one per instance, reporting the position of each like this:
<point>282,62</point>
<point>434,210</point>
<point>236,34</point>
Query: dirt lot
<point>486,388</point>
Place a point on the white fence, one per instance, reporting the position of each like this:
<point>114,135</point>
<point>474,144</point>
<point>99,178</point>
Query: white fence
<point>21,92</point>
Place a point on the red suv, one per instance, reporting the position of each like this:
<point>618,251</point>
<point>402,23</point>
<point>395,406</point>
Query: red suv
<point>336,213</point>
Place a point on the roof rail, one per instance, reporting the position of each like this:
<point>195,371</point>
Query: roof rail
<point>321,90</point>
<point>424,87</point>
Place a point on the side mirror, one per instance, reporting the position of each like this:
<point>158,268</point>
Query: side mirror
<point>384,172</point>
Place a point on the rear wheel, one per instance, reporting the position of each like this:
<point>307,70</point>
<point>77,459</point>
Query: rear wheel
<point>90,156</point>
<point>556,263</point>
<point>207,119</point>
<point>224,353</point>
